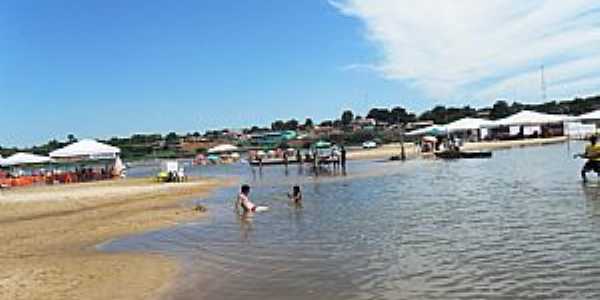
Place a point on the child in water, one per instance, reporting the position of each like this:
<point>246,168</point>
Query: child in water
<point>296,195</point>
<point>243,200</point>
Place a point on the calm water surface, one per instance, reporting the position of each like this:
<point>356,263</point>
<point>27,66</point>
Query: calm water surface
<point>517,226</point>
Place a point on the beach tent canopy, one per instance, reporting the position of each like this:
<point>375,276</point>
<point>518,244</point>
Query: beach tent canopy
<point>594,115</point>
<point>467,124</point>
<point>429,138</point>
<point>528,117</point>
<point>87,149</point>
<point>223,149</point>
<point>22,158</point>
<point>430,130</point>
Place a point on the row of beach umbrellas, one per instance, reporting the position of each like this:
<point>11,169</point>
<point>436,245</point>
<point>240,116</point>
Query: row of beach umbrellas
<point>89,149</point>
<point>523,118</point>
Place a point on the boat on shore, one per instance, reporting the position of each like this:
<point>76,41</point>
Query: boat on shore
<point>453,154</point>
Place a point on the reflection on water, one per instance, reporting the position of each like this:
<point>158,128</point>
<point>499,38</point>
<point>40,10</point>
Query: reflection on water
<point>520,225</point>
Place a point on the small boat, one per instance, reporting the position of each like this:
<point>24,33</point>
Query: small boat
<point>463,154</point>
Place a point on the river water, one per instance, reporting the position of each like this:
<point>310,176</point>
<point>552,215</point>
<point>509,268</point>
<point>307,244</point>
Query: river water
<point>518,226</point>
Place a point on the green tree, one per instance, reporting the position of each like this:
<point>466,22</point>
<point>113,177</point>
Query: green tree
<point>171,138</point>
<point>326,123</point>
<point>500,110</point>
<point>399,115</point>
<point>380,115</point>
<point>278,125</point>
<point>291,125</point>
<point>308,124</point>
<point>347,117</point>
<point>71,138</point>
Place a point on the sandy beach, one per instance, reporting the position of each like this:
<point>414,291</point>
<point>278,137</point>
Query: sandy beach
<point>49,236</point>
<point>382,152</point>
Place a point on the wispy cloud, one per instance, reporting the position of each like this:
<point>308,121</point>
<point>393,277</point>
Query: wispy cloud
<point>485,49</point>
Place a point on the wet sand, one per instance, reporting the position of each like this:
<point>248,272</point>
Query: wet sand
<point>49,236</point>
<point>382,152</point>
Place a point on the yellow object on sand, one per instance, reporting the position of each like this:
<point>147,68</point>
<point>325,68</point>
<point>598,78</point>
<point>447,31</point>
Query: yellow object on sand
<point>162,175</point>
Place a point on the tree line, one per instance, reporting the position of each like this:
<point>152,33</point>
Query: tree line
<point>442,115</point>
<point>141,145</point>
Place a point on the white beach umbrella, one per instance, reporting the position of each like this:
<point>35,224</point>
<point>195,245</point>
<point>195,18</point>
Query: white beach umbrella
<point>22,158</point>
<point>433,129</point>
<point>467,124</point>
<point>594,115</point>
<point>86,148</point>
<point>223,149</point>
<point>527,117</point>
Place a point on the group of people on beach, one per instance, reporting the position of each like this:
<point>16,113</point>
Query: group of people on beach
<point>243,199</point>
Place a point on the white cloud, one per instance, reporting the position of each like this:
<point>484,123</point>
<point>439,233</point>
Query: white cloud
<point>485,49</point>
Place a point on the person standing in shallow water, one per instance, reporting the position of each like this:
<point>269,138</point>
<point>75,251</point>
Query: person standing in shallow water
<point>243,200</point>
<point>592,153</point>
<point>343,157</point>
<point>296,195</point>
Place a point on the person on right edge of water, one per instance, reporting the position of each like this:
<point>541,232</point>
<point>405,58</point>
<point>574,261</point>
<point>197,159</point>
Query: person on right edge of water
<point>592,154</point>
<point>296,195</point>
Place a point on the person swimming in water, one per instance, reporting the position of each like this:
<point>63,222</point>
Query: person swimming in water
<point>296,195</point>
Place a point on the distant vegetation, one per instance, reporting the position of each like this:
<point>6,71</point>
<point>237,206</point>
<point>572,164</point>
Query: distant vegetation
<point>144,146</point>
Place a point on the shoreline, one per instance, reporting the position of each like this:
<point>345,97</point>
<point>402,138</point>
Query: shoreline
<point>495,145</point>
<point>50,234</point>
<point>389,150</point>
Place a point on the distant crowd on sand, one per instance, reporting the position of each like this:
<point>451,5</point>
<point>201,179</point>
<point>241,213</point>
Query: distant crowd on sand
<point>335,155</point>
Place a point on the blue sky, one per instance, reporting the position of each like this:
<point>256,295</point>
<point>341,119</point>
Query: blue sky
<point>114,68</point>
<point>104,68</point>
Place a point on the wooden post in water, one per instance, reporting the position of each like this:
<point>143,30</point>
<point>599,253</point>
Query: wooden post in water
<point>402,152</point>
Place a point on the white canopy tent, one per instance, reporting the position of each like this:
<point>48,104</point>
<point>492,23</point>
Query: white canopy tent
<point>467,124</point>
<point>86,149</point>
<point>22,158</point>
<point>527,117</point>
<point>428,130</point>
<point>594,115</point>
<point>225,148</point>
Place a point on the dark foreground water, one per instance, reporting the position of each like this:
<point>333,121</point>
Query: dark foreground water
<point>517,226</point>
